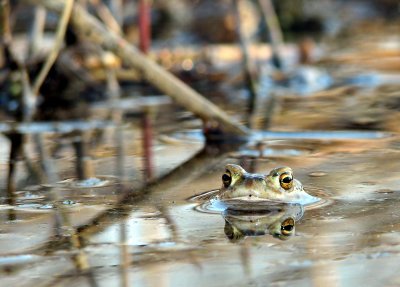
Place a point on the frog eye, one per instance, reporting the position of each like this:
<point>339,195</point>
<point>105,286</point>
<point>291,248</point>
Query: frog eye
<point>226,179</point>
<point>286,181</point>
<point>287,226</point>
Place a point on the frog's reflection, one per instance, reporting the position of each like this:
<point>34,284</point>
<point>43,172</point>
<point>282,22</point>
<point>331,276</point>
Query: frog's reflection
<point>278,220</point>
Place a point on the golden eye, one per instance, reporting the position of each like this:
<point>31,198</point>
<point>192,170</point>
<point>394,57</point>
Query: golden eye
<point>287,226</point>
<point>226,179</point>
<point>286,181</point>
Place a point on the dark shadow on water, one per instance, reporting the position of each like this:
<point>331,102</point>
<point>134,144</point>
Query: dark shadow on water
<point>207,157</point>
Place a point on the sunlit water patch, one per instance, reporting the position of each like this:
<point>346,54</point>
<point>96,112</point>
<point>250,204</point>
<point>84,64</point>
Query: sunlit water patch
<point>258,136</point>
<point>270,152</point>
<point>319,135</point>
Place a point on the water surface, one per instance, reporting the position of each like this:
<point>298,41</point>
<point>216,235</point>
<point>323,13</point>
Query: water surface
<point>162,239</point>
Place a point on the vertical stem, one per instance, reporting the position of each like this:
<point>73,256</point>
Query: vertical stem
<point>28,98</point>
<point>5,21</point>
<point>106,16</point>
<point>16,141</point>
<point>84,165</point>
<point>79,152</point>
<point>64,226</point>
<point>147,145</point>
<point>36,35</point>
<point>116,116</point>
<point>117,9</point>
<point>170,222</point>
<point>125,256</point>
<point>246,63</point>
<point>46,162</point>
<point>119,135</point>
<point>144,25</point>
<point>273,27</point>
<point>144,45</point>
<point>61,29</point>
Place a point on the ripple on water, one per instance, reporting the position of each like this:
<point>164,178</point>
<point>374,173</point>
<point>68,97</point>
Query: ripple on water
<point>93,182</point>
<point>317,174</point>
<point>270,152</point>
<point>18,259</point>
<point>212,205</point>
<point>30,196</point>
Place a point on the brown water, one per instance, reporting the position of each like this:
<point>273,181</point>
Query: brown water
<point>105,233</point>
<point>350,238</point>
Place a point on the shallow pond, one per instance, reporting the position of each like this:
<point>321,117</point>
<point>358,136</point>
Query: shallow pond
<point>160,238</point>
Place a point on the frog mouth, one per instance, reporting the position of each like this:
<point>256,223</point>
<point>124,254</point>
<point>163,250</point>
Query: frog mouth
<point>252,204</point>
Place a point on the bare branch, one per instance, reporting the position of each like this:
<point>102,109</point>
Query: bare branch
<point>61,29</point>
<point>184,95</point>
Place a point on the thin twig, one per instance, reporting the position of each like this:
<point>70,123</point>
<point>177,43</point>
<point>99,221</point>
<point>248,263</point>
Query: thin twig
<point>106,16</point>
<point>15,151</point>
<point>36,34</point>
<point>28,98</point>
<point>116,9</point>
<point>151,71</point>
<point>5,21</point>
<point>246,64</point>
<point>125,257</point>
<point>64,225</point>
<point>271,22</point>
<point>116,115</point>
<point>61,29</point>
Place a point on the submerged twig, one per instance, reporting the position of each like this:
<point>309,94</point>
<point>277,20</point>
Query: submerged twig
<point>147,140</point>
<point>16,140</point>
<point>170,222</point>
<point>125,256</point>
<point>34,169</point>
<point>61,29</point>
<point>45,160</point>
<point>64,225</point>
<point>245,258</point>
<point>84,164</point>
<point>115,114</point>
<point>201,161</point>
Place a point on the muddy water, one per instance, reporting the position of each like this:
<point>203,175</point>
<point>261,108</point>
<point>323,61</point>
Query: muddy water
<point>350,238</point>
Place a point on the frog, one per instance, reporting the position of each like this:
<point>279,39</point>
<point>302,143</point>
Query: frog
<point>277,219</point>
<point>279,185</point>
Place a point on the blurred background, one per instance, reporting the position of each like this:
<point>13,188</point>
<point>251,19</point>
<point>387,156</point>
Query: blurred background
<point>114,113</point>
